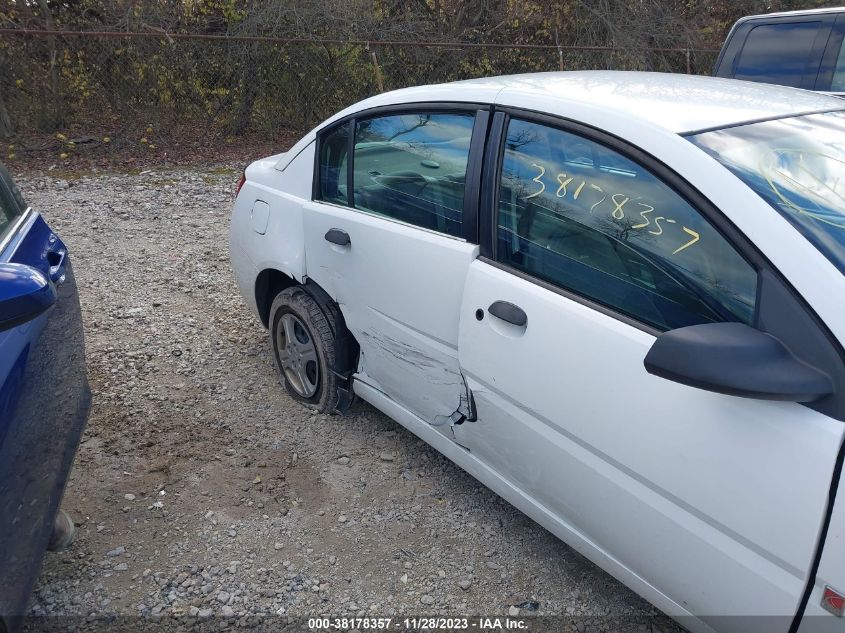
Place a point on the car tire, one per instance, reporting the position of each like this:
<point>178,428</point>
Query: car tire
<point>303,344</point>
<point>63,534</point>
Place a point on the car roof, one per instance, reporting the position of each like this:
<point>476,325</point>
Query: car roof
<point>680,104</point>
<point>675,102</point>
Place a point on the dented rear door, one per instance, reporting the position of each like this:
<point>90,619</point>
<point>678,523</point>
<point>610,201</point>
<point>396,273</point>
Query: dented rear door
<point>399,288</point>
<point>390,242</point>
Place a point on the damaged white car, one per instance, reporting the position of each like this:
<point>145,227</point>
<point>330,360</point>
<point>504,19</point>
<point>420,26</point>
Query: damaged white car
<point>617,299</point>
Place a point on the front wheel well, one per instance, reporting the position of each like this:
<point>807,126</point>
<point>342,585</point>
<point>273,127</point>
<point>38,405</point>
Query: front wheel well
<point>269,283</point>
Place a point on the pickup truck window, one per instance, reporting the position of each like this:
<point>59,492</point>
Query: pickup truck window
<point>837,82</point>
<point>794,164</point>
<point>777,53</point>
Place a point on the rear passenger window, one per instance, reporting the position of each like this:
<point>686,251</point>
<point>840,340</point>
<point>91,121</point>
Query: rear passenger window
<point>581,216</point>
<point>406,167</point>
<point>412,168</point>
<point>778,53</point>
<point>333,166</point>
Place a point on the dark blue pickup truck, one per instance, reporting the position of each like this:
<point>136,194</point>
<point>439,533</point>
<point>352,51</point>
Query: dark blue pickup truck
<point>802,49</point>
<point>44,394</point>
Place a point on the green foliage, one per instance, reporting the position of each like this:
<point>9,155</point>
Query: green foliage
<point>232,85</point>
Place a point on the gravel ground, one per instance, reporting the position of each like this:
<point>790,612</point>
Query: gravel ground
<point>202,491</point>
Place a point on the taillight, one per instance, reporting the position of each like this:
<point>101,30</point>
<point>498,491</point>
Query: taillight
<point>240,183</point>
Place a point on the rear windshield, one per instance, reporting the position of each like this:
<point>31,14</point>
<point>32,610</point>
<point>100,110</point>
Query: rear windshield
<point>778,53</point>
<point>797,165</point>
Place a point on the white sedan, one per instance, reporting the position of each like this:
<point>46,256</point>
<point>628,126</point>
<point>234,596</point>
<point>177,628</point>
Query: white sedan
<point>617,299</point>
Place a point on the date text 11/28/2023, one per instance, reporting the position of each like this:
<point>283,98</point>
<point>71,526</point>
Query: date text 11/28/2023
<point>483,624</point>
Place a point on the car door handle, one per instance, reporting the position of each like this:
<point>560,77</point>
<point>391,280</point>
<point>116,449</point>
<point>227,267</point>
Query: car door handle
<point>507,311</point>
<point>58,265</point>
<point>338,236</point>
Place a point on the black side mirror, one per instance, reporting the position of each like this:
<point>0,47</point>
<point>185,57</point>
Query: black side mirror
<point>735,359</point>
<point>24,294</point>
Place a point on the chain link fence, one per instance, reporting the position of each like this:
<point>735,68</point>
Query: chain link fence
<point>121,85</point>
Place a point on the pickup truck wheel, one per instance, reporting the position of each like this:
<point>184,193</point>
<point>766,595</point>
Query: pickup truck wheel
<point>303,348</point>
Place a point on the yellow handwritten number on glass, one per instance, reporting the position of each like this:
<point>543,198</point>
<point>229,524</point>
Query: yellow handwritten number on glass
<point>618,213</point>
<point>649,209</point>
<point>539,180</point>
<point>659,230</point>
<point>695,238</point>
<point>597,188</point>
<point>563,180</point>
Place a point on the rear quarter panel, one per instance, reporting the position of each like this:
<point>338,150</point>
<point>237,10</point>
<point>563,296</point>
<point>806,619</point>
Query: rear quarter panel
<point>281,247</point>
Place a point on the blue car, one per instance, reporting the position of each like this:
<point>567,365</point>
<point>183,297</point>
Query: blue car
<point>44,395</point>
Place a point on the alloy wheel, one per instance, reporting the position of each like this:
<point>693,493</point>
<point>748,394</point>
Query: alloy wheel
<point>298,355</point>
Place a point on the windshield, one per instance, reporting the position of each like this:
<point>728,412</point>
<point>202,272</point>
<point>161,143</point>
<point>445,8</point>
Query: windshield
<point>797,165</point>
